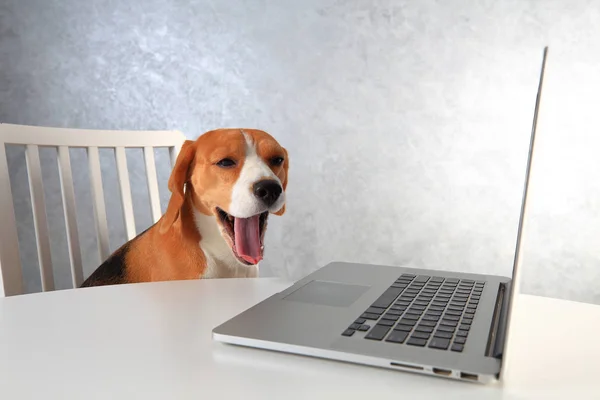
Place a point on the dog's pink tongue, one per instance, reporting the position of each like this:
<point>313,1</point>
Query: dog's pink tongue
<point>247,239</point>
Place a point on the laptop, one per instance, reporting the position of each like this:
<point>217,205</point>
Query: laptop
<point>448,324</point>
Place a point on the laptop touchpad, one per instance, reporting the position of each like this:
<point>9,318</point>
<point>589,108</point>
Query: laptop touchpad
<point>325,293</point>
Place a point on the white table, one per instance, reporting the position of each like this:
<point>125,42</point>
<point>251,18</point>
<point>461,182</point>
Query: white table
<point>153,341</point>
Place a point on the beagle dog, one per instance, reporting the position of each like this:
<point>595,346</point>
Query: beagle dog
<point>223,187</point>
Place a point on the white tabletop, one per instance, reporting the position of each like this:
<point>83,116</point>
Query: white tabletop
<point>153,341</point>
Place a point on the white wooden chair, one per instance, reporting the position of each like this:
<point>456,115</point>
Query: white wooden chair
<point>11,281</point>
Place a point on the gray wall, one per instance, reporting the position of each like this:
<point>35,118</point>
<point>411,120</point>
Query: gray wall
<point>407,122</point>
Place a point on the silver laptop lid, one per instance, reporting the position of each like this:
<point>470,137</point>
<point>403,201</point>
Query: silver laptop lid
<point>516,273</point>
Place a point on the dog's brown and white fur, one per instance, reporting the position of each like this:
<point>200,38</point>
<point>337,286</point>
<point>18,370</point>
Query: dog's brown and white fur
<point>223,178</point>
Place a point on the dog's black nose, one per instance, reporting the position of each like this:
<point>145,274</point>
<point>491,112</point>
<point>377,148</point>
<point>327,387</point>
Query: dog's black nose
<point>267,191</point>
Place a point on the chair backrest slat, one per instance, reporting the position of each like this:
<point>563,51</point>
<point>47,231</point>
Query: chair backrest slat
<point>152,183</point>
<point>40,222</point>
<point>67,191</point>
<point>173,152</point>
<point>98,202</point>
<point>11,279</point>
<point>33,137</point>
<point>124,185</point>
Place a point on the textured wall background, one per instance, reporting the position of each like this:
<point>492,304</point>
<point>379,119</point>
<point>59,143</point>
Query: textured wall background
<point>407,121</point>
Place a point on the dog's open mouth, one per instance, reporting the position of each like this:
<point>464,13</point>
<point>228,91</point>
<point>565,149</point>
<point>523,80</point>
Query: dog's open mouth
<point>245,235</point>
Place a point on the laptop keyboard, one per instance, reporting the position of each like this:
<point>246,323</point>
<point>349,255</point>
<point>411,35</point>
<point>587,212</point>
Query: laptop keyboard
<point>422,311</point>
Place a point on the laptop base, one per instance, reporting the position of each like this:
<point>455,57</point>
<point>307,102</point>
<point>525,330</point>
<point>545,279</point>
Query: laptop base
<point>312,316</point>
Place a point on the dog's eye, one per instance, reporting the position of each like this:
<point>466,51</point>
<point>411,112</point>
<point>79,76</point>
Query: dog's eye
<point>226,163</point>
<point>276,161</point>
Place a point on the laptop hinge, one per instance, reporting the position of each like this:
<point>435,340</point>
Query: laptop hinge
<point>497,336</point>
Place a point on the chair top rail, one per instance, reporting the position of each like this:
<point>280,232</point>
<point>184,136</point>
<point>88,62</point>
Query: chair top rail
<point>45,136</point>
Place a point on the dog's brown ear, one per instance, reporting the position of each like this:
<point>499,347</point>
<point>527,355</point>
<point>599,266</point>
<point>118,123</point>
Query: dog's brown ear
<point>177,180</point>
<point>286,165</point>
